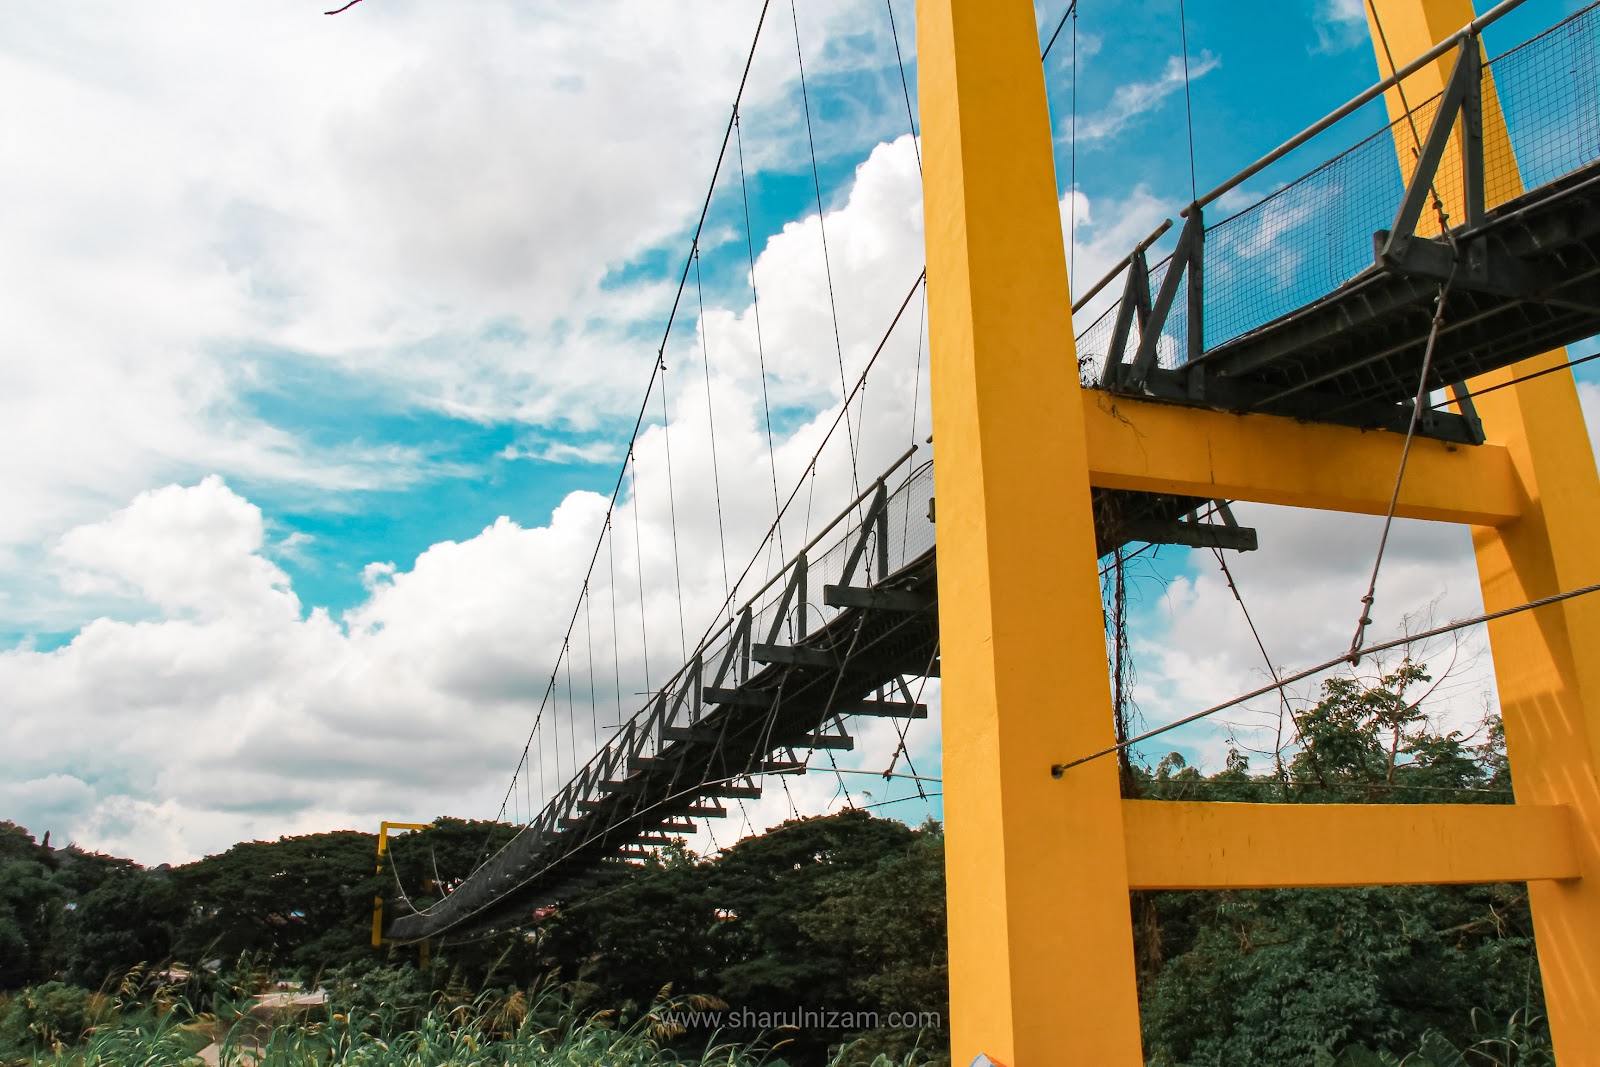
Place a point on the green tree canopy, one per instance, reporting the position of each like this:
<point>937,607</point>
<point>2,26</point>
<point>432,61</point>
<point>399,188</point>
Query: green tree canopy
<point>128,919</point>
<point>295,901</point>
<point>30,921</point>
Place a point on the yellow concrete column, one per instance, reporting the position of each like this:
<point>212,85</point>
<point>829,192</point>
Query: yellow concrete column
<point>1041,947</point>
<point>1548,662</point>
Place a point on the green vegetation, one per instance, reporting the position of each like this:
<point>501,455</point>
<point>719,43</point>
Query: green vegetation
<point>843,912</point>
<point>1346,977</point>
<point>66,1027</point>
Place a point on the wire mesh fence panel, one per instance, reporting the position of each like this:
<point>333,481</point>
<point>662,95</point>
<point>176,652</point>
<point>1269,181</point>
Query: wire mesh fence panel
<point>1171,346</point>
<point>1304,239</point>
<point>1314,233</point>
<point>1094,346</point>
<point>911,518</point>
<point>1094,341</point>
<point>1548,91</point>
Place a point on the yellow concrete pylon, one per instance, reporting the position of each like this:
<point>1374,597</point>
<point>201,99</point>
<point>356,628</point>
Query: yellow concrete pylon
<point>1547,663</point>
<point>1041,948</point>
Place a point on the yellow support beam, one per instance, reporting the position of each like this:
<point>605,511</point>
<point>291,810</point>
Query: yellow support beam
<point>1209,845</point>
<point>1041,946</point>
<point>1167,448</point>
<point>1547,663</point>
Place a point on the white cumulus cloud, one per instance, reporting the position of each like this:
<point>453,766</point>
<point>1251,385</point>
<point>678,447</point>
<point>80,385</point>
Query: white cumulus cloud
<point>213,706</point>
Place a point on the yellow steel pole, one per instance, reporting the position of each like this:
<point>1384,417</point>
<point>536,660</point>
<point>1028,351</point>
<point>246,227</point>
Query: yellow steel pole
<point>1547,663</point>
<point>377,900</point>
<point>1041,946</point>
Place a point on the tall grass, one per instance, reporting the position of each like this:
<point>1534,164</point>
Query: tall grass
<point>490,1031</point>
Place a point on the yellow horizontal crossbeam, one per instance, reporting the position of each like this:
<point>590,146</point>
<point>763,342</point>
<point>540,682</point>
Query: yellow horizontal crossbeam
<point>1206,845</point>
<point>1169,448</point>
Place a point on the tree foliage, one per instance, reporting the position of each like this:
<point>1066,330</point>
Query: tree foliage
<point>295,901</point>
<point>30,919</point>
<point>1283,976</point>
<point>128,919</point>
<point>848,912</point>
<point>843,912</point>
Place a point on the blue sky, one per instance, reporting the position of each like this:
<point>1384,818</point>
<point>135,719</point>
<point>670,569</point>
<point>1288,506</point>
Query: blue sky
<point>323,376</point>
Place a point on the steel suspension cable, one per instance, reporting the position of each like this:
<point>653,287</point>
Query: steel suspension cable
<point>916,395</point>
<point>811,497</point>
<point>525,761</point>
<point>555,731</point>
<point>638,558</point>
<point>572,713</point>
<point>887,774</point>
<point>775,529</point>
<point>861,419</point>
<point>1568,365</point>
<point>672,508</point>
<point>1060,768</point>
<point>1411,119</point>
<point>833,693</point>
<point>616,630</point>
<point>744,814</point>
<point>1068,13</point>
<point>711,421</point>
<point>705,208</point>
<point>588,628</point>
<point>808,471</point>
<point>542,790</point>
<point>1188,102</point>
<point>755,307</point>
<point>827,261</point>
<point>905,86</point>
<point>1284,707</point>
<point>1072,154</point>
<point>904,728</point>
<point>1400,89</point>
<point>1399,476</point>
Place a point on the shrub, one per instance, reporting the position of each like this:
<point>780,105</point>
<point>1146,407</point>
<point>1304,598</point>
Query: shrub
<point>49,1016</point>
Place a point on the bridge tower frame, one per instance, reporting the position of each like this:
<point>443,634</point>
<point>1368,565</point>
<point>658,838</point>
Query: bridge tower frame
<point>1039,868</point>
<point>1549,693</point>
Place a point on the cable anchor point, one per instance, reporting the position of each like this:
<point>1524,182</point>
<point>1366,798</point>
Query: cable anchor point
<point>1362,623</point>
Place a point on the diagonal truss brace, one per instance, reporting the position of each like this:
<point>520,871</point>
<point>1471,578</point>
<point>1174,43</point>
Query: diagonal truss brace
<point>1151,314</point>
<point>1458,254</point>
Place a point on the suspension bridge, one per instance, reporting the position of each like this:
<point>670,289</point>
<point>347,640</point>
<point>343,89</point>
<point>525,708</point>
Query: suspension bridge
<point>1351,319</point>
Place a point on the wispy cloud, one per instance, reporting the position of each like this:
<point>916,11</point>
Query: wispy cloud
<point>1341,25</point>
<point>1135,99</point>
<point>564,452</point>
